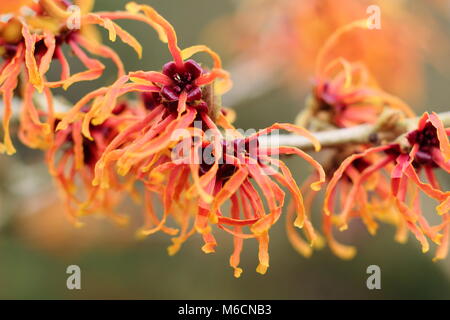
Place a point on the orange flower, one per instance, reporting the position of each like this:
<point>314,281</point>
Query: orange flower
<point>208,174</point>
<point>72,159</point>
<point>28,45</point>
<point>363,183</point>
<point>345,94</point>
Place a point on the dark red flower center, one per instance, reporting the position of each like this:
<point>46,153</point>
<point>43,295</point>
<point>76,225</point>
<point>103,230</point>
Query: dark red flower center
<point>361,164</point>
<point>427,140</point>
<point>91,151</point>
<point>64,37</point>
<point>183,79</point>
<point>327,101</point>
<point>232,149</point>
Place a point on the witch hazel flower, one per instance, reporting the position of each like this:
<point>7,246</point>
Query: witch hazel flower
<point>72,158</point>
<point>391,174</point>
<point>53,20</point>
<point>345,93</point>
<point>236,171</point>
<point>30,42</point>
<point>346,96</point>
<point>177,86</point>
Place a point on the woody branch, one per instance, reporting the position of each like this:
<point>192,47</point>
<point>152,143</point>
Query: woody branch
<point>389,128</point>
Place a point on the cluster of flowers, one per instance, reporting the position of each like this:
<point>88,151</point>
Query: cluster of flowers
<point>379,180</point>
<point>169,145</point>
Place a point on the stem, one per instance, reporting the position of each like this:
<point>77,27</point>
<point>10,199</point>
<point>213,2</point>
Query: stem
<point>366,133</point>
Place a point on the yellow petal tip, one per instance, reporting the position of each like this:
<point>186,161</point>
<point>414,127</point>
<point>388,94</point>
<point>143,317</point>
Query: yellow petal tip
<point>237,272</point>
<point>262,269</point>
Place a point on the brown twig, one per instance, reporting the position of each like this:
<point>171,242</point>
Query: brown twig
<point>388,129</point>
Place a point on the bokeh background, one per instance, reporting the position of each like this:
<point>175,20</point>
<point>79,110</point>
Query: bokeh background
<point>37,243</point>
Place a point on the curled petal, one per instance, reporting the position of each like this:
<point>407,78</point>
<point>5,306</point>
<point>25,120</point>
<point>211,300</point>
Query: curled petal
<point>44,64</point>
<point>442,251</point>
<point>8,82</point>
<point>165,25</point>
<point>300,245</point>
<point>30,61</point>
<point>333,40</point>
<point>229,189</point>
<point>65,67</point>
<point>315,185</point>
<point>444,207</point>
<point>211,76</point>
<point>133,15</point>
<point>342,251</point>
<point>189,52</point>
<point>427,188</point>
<point>150,77</point>
<point>263,254</point>
<point>444,143</point>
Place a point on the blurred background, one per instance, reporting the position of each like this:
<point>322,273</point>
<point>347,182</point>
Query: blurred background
<point>270,47</point>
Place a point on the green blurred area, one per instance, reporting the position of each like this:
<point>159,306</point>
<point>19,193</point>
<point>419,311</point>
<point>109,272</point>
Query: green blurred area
<point>129,269</point>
